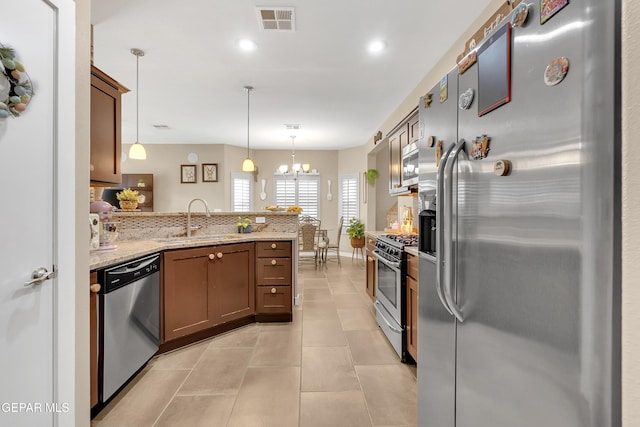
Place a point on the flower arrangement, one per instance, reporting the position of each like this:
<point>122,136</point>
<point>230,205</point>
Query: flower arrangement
<point>128,194</point>
<point>297,209</point>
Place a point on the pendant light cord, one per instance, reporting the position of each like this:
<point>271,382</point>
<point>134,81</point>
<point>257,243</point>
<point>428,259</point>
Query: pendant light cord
<point>137,96</point>
<point>248,96</point>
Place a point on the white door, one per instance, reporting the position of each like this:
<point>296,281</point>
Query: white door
<point>30,150</point>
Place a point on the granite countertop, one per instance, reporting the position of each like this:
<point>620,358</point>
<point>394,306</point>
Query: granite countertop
<point>128,250</point>
<point>375,234</point>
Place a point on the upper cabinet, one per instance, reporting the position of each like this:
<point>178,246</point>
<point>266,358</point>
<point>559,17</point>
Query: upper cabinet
<point>105,129</point>
<point>403,134</point>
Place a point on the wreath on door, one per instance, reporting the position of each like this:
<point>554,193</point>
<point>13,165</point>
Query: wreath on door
<point>16,90</point>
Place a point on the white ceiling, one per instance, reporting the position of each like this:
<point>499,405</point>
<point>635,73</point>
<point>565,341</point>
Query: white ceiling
<point>320,76</point>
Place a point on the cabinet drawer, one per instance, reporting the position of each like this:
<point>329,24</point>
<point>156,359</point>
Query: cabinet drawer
<point>371,243</point>
<point>412,266</point>
<point>273,249</point>
<point>273,271</point>
<point>273,299</point>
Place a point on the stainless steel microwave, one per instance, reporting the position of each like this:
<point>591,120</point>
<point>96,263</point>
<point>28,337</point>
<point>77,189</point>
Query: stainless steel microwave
<point>410,164</point>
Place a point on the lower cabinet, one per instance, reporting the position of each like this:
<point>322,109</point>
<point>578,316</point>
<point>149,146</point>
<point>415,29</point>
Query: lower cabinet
<point>274,279</point>
<point>412,306</point>
<point>205,287</point>
<point>372,270</point>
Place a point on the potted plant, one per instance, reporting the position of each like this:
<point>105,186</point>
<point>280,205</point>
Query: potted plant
<point>355,230</point>
<point>128,199</point>
<point>372,175</point>
<point>244,225</point>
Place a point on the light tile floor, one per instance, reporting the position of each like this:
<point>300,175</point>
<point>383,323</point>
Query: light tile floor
<point>331,366</point>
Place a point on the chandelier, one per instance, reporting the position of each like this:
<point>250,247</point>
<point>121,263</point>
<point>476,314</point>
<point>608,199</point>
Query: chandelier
<point>296,168</point>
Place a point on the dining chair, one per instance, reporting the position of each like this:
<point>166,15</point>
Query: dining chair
<point>336,245</point>
<point>308,238</point>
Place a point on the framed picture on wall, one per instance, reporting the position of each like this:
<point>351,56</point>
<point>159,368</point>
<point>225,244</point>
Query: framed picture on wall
<point>209,172</point>
<point>188,174</point>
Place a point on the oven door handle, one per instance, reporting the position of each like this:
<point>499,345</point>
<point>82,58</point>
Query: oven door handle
<point>393,328</point>
<point>393,265</point>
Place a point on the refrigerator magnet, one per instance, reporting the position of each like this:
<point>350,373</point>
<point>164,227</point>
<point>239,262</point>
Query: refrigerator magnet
<point>465,99</point>
<point>548,8</point>
<point>520,14</point>
<point>438,152</point>
<point>430,141</point>
<point>444,89</point>
<point>480,148</point>
<point>467,62</point>
<point>556,71</point>
<point>427,100</point>
<point>502,167</point>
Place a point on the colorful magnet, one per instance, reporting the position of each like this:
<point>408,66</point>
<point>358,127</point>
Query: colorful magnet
<point>427,100</point>
<point>556,71</point>
<point>438,152</point>
<point>548,8</point>
<point>430,141</point>
<point>520,14</point>
<point>480,147</point>
<point>444,89</point>
<point>502,167</point>
<point>467,62</point>
<point>465,100</point>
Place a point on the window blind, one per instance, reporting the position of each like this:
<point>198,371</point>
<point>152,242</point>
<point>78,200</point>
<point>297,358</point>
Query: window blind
<point>349,203</point>
<point>241,192</point>
<point>304,191</point>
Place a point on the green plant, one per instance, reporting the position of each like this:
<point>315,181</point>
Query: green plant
<point>128,194</point>
<point>244,223</point>
<point>355,230</point>
<point>372,175</point>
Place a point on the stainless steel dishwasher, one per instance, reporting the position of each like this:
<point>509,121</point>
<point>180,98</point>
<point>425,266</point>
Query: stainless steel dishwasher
<point>129,321</point>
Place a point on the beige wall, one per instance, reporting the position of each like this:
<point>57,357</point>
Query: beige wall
<point>630,217</point>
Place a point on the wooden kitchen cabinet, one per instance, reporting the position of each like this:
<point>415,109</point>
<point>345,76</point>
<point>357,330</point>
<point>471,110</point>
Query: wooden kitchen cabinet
<point>205,287</point>
<point>274,281</point>
<point>94,287</point>
<point>412,306</point>
<point>106,133</point>
<point>372,269</point>
<point>404,133</point>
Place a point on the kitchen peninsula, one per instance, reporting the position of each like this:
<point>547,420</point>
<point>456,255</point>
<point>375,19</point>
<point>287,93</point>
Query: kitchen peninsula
<point>214,281</point>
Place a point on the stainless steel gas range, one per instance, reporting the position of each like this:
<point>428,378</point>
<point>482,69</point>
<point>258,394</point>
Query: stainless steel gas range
<point>391,288</point>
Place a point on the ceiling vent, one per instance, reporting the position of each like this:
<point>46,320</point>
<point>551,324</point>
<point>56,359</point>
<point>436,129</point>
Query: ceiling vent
<point>161,126</point>
<point>292,126</point>
<point>276,18</point>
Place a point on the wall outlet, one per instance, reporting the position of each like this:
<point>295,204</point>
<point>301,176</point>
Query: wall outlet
<point>260,220</point>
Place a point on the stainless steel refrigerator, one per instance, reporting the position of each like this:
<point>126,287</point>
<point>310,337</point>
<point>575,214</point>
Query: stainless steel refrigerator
<point>519,309</point>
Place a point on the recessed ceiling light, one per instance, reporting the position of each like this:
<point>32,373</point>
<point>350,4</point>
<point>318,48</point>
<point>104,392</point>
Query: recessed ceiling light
<point>376,46</point>
<point>247,45</point>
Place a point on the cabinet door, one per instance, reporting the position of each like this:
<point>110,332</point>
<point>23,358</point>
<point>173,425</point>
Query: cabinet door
<point>234,281</point>
<point>414,129</point>
<point>105,131</point>
<point>395,161</point>
<point>187,294</point>
<point>412,317</point>
<point>371,274</point>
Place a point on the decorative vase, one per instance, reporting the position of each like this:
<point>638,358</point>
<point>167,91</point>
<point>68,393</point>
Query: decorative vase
<point>357,242</point>
<point>244,230</point>
<point>128,205</point>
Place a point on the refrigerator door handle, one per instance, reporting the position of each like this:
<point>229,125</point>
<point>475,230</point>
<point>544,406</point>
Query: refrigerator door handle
<point>440,201</point>
<point>448,173</point>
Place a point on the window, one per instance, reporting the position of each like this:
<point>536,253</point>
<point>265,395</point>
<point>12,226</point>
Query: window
<point>303,191</point>
<point>349,203</point>
<point>241,190</point>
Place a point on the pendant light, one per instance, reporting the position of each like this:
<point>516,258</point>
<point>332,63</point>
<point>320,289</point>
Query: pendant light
<point>137,150</point>
<point>247,164</point>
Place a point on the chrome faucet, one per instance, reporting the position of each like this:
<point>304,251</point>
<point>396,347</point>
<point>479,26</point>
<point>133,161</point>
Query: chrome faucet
<point>206,206</point>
